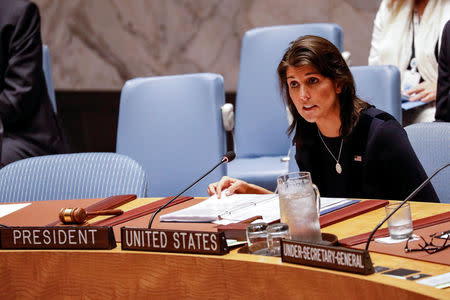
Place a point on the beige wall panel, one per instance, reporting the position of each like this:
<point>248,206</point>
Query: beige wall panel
<point>99,44</point>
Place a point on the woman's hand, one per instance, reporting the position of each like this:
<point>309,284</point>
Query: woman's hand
<point>235,186</point>
<point>231,185</point>
<point>425,92</point>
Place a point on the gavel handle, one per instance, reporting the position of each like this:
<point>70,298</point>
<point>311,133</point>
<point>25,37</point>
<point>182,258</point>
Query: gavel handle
<point>115,212</point>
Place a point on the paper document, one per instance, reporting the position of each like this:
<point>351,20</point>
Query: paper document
<point>240,207</point>
<point>6,209</point>
<point>440,281</point>
<point>328,205</point>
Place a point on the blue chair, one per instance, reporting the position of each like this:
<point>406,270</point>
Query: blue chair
<point>431,142</point>
<point>380,86</point>
<point>47,67</point>
<point>260,127</point>
<point>71,176</point>
<point>172,126</point>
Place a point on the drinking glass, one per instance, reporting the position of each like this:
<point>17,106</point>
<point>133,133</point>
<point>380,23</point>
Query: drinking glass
<point>400,223</point>
<point>276,232</point>
<point>257,237</point>
<point>300,206</point>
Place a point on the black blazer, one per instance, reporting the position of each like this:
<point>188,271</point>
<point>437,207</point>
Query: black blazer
<point>443,88</point>
<point>386,166</point>
<point>28,124</point>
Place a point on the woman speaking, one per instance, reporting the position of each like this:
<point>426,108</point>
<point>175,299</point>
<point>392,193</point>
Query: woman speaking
<point>351,149</point>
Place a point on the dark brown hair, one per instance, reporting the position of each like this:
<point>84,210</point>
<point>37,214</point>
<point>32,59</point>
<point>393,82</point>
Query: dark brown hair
<point>326,58</point>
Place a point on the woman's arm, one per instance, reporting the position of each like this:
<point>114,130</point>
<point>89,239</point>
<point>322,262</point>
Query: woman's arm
<point>398,167</point>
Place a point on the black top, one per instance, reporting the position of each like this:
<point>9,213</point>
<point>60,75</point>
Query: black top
<point>377,161</point>
<point>28,124</point>
<point>334,183</point>
<point>443,86</point>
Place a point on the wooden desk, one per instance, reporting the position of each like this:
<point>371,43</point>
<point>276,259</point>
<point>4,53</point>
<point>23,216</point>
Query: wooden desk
<point>145,275</point>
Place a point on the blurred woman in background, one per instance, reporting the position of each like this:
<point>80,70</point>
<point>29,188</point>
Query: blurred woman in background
<point>406,34</point>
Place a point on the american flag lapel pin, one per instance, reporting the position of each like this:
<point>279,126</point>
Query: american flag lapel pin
<point>357,158</point>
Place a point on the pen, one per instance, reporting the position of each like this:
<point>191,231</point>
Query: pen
<point>249,220</point>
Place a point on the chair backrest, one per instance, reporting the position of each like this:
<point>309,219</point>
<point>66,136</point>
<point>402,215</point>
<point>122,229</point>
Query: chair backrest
<point>380,86</point>
<point>261,121</point>
<point>431,142</point>
<point>71,176</point>
<point>172,126</point>
<point>47,67</point>
<point>293,166</point>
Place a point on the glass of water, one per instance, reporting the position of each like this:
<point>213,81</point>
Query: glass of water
<point>257,237</point>
<point>276,232</point>
<point>400,223</point>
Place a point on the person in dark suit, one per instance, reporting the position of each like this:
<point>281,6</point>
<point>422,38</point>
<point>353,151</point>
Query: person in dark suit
<point>351,149</point>
<point>28,124</point>
<point>443,85</point>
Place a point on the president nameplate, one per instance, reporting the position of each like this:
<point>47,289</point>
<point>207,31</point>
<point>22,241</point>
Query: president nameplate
<point>329,257</point>
<point>57,237</point>
<point>197,242</point>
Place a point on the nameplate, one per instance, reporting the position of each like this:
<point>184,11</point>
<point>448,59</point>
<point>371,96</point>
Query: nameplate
<point>329,257</point>
<point>198,242</point>
<point>57,237</point>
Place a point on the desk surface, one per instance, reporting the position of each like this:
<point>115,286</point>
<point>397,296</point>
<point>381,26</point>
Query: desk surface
<point>115,273</point>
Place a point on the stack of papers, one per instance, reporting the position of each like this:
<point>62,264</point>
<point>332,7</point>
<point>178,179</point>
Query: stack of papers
<point>240,207</point>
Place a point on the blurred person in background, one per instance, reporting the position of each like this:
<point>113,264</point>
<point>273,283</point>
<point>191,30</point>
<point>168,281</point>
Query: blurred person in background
<point>28,124</point>
<point>406,34</point>
<point>443,88</point>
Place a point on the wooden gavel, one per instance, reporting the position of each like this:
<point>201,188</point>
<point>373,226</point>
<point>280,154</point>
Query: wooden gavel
<point>78,215</point>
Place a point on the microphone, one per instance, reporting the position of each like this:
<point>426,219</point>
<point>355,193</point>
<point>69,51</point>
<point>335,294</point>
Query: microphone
<point>229,156</point>
<point>403,202</point>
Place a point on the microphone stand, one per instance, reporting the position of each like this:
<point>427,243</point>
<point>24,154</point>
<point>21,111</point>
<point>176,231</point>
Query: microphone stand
<point>403,202</point>
<point>225,159</point>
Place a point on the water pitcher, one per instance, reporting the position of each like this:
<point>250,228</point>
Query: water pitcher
<point>300,206</point>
